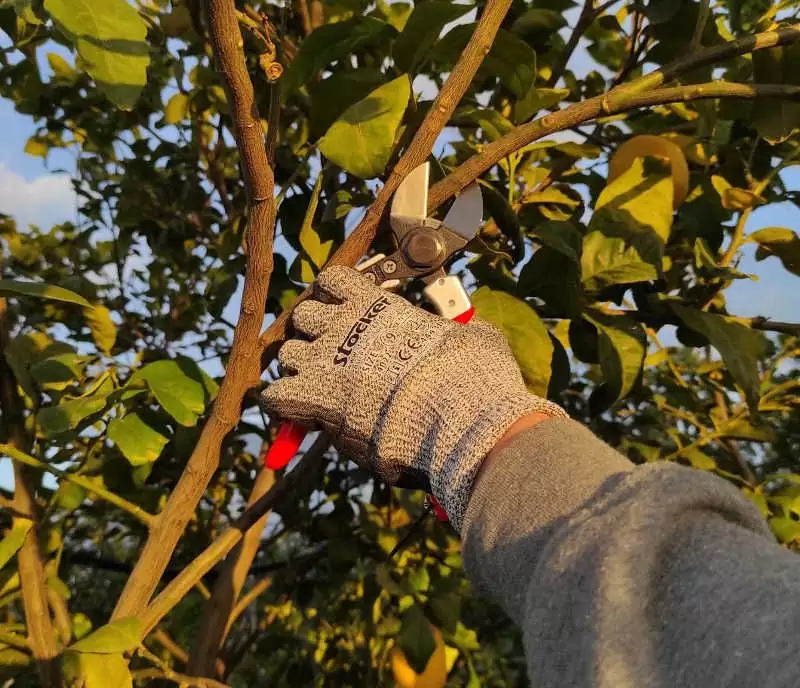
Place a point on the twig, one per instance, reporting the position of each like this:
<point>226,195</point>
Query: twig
<point>633,49</point>
<point>217,550</point>
<point>14,640</point>
<point>301,9</point>
<point>248,598</point>
<point>164,671</point>
<point>359,241</point>
<point>585,19</point>
<point>217,614</point>
<point>703,12</point>
<point>584,112</point>
<point>243,369</point>
<point>89,485</point>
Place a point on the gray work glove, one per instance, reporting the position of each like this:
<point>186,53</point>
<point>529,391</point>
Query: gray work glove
<point>405,393</point>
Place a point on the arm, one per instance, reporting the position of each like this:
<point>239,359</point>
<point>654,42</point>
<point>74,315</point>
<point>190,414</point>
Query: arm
<point>620,576</point>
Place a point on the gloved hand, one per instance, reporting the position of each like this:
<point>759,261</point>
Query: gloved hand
<point>403,392</point>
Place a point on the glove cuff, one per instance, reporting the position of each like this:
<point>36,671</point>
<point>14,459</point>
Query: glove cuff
<point>451,481</point>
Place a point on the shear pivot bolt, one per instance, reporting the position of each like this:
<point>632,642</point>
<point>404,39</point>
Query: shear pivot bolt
<point>389,267</point>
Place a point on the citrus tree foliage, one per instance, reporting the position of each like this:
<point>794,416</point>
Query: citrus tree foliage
<point>608,279</point>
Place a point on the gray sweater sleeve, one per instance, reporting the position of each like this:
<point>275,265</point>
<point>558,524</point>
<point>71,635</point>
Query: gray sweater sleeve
<point>630,576</point>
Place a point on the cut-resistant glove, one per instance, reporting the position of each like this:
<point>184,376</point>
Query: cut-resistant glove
<point>405,393</point>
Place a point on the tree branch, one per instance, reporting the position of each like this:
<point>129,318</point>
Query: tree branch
<point>585,111</point>
<point>30,562</point>
<point>243,369</point>
<point>587,16</point>
<point>217,550</point>
<point>218,613</point>
<point>359,241</point>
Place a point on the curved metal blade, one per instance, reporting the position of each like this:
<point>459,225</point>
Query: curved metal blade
<point>466,213</point>
<point>411,197</point>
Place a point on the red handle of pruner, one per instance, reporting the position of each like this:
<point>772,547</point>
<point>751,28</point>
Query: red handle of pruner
<point>287,442</point>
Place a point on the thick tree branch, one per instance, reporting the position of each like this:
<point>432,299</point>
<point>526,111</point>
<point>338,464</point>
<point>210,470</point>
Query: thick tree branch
<point>243,369</point>
<point>30,562</point>
<point>358,243</point>
<point>586,111</point>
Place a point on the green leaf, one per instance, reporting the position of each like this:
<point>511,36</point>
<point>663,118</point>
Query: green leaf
<point>739,346</point>
<point>780,242</point>
<point>563,237</point>
<point>103,328</point>
<point>69,413</point>
<point>332,96</point>
<point>42,291</point>
<point>412,47</point>
<point>489,120</point>
<point>699,459</point>
<point>537,99</point>
<point>706,264</point>
<point>61,68</point>
<point>328,43</point>
<point>57,372</point>
<point>110,38</point>
<point>69,496</point>
<point>136,439</point>
<point>526,334</point>
<point>416,639</point>
<point>90,670</point>
<point>180,386</point>
<point>121,635</point>
<point>510,58</point>
<point>628,231</point>
<point>777,119</point>
<point>13,540</point>
<point>177,107</point>
<point>538,21</point>
<point>447,610</point>
<point>553,277</point>
<point>362,139</point>
<point>622,344</point>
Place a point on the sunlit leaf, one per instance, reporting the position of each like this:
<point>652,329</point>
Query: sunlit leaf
<point>628,231</point>
<point>176,109</point>
<point>103,328</point>
<point>780,242</point>
<point>180,386</point>
<point>525,332</point>
<point>90,670</point>
<point>137,440</point>
<point>362,139</point>
<point>42,291</point>
<point>110,38</point>
<point>117,636</point>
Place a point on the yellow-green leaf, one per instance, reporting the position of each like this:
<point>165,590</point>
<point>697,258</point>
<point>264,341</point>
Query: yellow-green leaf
<point>780,242</point>
<point>136,439</point>
<point>110,39</point>
<point>13,540</point>
<point>421,31</point>
<point>176,109</point>
<point>61,68</point>
<point>621,346</point>
<point>525,332</point>
<point>67,415</point>
<point>362,139</point>
<point>36,147</point>
<point>104,331</point>
<point>118,636</point>
<point>628,231</point>
<point>42,291</point>
<point>57,372</point>
<point>180,386</point>
<point>90,670</point>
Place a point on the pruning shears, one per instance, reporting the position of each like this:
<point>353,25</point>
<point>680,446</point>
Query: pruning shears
<point>424,245</point>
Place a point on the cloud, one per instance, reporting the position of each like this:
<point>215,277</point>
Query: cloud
<point>44,201</point>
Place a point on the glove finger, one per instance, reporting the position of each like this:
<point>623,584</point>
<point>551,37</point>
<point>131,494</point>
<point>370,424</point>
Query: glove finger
<point>344,283</point>
<point>293,355</point>
<point>287,398</point>
<point>313,318</point>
